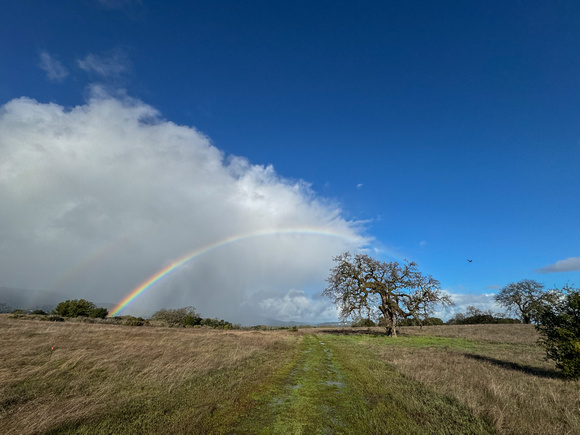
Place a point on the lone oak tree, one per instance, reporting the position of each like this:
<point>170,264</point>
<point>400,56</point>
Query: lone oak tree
<point>360,285</point>
<point>527,298</point>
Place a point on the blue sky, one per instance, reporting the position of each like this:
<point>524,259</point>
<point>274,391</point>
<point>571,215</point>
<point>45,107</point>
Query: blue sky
<point>438,131</point>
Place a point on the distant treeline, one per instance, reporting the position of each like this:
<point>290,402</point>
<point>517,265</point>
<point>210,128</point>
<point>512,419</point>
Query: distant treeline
<point>87,311</point>
<point>473,316</point>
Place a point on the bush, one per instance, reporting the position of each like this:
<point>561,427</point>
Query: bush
<point>560,326</point>
<point>40,312</point>
<point>187,317</point>
<point>134,321</point>
<point>177,316</point>
<point>99,313</point>
<point>80,308</point>
<point>191,320</point>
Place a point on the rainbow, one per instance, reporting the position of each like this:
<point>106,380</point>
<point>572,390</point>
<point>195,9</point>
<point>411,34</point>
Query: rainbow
<point>204,250</point>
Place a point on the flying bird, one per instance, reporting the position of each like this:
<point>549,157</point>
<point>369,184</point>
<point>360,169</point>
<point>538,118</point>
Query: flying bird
<point>469,260</point>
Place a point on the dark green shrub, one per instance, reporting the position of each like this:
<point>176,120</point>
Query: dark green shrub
<point>55,318</point>
<point>80,308</point>
<point>40,312</point>
<point>99,313</point>
<point>559,325</point>
<point>134,321</point>
<point>191,320</point>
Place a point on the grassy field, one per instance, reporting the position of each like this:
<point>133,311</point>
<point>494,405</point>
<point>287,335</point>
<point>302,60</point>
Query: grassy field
<point>76,377</point>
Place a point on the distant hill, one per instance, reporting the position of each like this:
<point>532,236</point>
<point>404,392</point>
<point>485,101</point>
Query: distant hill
<point>26,299</point>
<point>249,319</point>
<point>334,324</point>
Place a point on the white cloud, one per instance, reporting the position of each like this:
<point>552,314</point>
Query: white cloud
<point>112,64</point>
<point>97,198</point>
<point>55,71</point>
<point>568,265</point>
<point>359,186</point>
<point>296,305</point>
<point>483,301</point>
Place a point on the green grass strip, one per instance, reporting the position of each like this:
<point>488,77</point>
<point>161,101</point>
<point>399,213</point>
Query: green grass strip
<point>338,385</point>
<point>395,404</point>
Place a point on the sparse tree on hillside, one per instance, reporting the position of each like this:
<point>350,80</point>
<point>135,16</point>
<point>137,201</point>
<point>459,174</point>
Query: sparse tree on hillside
<point>359,284</point>
<point>526,298</point>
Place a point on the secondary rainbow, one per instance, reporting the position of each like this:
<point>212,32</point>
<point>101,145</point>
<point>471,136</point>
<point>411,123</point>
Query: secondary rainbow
<point>181,261</point>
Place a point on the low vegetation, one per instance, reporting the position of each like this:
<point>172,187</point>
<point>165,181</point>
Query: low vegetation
<point>188,317</point>
<point>559,325</point>
<point>475,316</point>
<point>80,308</point>
<point>78,377</point>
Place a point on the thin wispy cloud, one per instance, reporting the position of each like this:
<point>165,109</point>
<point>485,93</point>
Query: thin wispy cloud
<point>55,71</point>
<point>97,198</point>
<point>571,264</point>
<point>110,65</point>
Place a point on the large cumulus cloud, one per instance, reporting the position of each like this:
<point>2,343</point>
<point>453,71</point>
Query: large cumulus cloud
<point>98,197</point>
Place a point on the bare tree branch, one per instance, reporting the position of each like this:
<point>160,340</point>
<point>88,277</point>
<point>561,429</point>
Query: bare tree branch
<point>392,291</point>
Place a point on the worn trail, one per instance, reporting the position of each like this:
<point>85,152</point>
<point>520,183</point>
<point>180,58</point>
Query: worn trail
<point>337,385</point>
<point>311,398</point>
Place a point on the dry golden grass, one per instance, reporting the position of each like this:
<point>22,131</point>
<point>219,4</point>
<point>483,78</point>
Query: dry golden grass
<point>96,368</point>
<point>104,378</point>
<point>495,333</point>
<point>500,374</point>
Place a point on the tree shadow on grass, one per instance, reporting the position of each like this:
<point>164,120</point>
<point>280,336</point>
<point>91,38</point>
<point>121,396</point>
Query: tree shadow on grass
<point>536,371</point>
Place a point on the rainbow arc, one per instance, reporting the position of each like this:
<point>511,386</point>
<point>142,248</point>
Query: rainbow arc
<point>158,276</point>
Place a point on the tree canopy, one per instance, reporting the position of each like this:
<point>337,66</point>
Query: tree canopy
<point>526,298</point>
<point>362,286</point>
<point>559,324</point>
<point>80,308</point>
